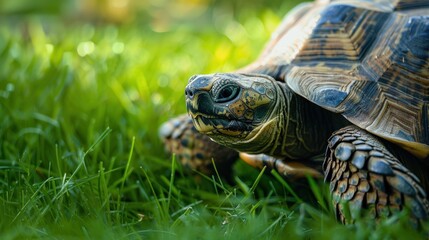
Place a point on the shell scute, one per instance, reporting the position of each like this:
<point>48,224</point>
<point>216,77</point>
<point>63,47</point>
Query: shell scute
<point>370,63</point>
<point>342,33</point>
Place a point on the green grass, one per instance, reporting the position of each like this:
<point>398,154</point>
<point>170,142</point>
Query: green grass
<point>80,156</point>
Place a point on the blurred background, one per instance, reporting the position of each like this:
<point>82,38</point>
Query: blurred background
<point>159,15</point>
<point>133,56</point>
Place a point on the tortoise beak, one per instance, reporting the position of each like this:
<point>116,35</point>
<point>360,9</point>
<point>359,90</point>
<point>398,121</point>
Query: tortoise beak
<point>207,112</point>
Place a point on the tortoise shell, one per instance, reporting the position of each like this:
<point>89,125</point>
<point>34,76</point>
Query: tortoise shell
<point>368,60</point>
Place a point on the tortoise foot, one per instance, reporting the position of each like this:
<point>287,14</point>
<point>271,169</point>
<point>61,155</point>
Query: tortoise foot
<point>194,150</point>
<point>286,168</point>
<point>363,174</point>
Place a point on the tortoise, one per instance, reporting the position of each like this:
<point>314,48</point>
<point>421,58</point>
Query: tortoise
<point>342,81</point>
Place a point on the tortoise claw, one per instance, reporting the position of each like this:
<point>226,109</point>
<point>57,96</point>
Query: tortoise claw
<point>289,169</point>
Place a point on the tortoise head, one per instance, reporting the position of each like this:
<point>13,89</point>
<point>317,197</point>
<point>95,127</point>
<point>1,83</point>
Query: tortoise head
<point>240,111</point>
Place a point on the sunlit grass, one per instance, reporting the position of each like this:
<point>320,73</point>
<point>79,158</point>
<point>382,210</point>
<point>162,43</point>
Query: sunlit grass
<point>80,155</point>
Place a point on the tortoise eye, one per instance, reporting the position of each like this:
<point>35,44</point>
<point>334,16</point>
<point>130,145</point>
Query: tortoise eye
<point>227,93</point>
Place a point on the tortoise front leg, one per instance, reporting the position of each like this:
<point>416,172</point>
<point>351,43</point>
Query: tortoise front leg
<point>365,175</point>
<point>194,150</point>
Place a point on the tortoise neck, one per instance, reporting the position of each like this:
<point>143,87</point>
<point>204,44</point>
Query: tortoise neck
<point>303,127</point>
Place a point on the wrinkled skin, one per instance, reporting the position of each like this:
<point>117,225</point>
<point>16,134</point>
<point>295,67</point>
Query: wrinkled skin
<point>254,113</point>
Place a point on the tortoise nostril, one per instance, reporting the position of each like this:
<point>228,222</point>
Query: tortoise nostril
<point>189,93</point>
<point>198,84</point>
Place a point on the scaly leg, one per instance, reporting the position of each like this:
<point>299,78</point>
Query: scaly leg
<point>194,150</point>
<point>365,174</point>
